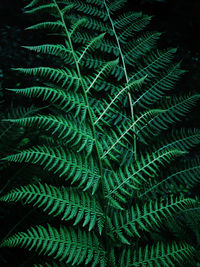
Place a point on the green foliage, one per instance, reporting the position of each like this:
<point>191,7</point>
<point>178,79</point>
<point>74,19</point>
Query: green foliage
<point>160,254</point>
<point>100,147</point>
<point>70,203</point>
<point>62,244</point>
<point>148,217</point>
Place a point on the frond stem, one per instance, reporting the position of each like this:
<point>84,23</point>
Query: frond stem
<point>138,171</point>
<point>106,109</point>
<point>127,130</point>
<point>125,73</point>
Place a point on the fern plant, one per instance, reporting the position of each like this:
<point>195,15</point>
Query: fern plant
<point>118,174</point>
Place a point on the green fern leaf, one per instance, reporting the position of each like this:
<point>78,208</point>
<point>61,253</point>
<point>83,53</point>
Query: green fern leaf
<point>41,8</point>
<point>78,135</point>
<point>92,24</point>
<point>32,3</point>
<point>96,2</point>
<point>128,87</point>
<point>187,176</point>
<point>107,46</point>
<point>149,217</point>
<point>175,108</point>
<point>102,72</point>
<point>116,4</point>
<point>156,91</point>
<point>53,26</point>
<point>54,50</point>
<point>184,140</point>
<point>140,120</point>
<point>74,247</point>
<point>68,165</point>
<point>126,19</point>
<point>68,203</point>
<point>56,75</point>
<point>121,185</point>
<point>155,62</point>
<point>67,101</point>
<point>90,10</point>
<point>76,25</point>
<point>90,46</point>
<point>136,26</point>
<point>140,46</point>
<point>159,254</point>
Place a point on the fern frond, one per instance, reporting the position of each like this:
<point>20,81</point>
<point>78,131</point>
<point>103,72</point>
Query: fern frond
<point>109,104</point>
<point>120,94</point>
<point>63,76</point>
<point>68,165</point>
<point>116,4</point>
<point>140,120</point>
<point>76,25</point>
<point>56,26</point>
<point>107,46</point>
<point>54,50</point>
<point>93,24</point>
<point>157,89</point>
<point>90,10</point>
<point>125,19</point>
<point>69,203</point>
<point>41,8</point>
<point>74,247</point>
<point>71,132</point>
<point>93,62</point>
<point>136,26</point>
<point>153,63</point>
<point>188,176</point>
<point>67,101</point>
<point>159,254</point>
<point>7,129</point>
<point>184,140</point>
<point>102,72</point>
<point>111,115</point>
<point>67,8</point>
<point>96,2</point>
<point>32,3</point>
<point>90,46</point>
<point>136,220</point>
<point>140,46</point>
<point>120,186</point>
<point>175,109</point>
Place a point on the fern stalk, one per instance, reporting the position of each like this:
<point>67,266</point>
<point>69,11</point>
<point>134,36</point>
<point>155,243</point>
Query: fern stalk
<point>126,76</point>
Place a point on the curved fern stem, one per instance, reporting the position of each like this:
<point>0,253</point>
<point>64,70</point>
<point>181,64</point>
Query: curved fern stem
<point>132,126</point>
<point>125,73</point>
<point>113,100</point>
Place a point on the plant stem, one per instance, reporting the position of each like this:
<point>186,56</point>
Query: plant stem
<point>125,73</point>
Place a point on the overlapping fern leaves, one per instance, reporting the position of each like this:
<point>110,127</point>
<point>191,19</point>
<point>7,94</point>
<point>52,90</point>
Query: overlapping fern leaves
<point>108,140</point>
